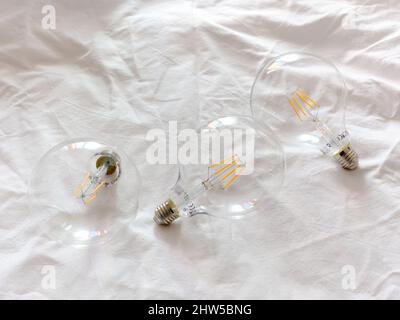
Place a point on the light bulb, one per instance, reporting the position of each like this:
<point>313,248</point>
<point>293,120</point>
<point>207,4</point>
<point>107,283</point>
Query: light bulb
<point>249,171</point>
<point>85,190</point>
<point>303,97</point>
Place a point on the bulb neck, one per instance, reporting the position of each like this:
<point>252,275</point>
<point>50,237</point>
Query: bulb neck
<point>166,213</point>
<point>347,157</point>
<point>110,162</point>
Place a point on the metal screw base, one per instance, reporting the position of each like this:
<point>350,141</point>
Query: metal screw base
<point>166,213</point>
<point>347,158</point>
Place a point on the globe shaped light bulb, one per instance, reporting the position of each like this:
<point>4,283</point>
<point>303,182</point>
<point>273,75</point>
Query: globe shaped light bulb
<point>303,97</point>
<point>85,190</point>
<point>248,170</point>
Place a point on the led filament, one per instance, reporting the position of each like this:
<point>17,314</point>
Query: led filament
<point>223,173</point>
<point>302,110</point>
<point>107,173</point>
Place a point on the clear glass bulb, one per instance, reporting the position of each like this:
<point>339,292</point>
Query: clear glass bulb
<point>85,190</point>
<point>304,98</point>
<point>249,170</point>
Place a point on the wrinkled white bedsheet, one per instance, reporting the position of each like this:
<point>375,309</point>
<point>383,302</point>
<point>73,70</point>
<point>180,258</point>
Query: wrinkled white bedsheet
<point>113,68</point>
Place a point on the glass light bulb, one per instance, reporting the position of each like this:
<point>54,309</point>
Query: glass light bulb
<point>304,98</point>
<point>85,190</point>
<point>248,170</point>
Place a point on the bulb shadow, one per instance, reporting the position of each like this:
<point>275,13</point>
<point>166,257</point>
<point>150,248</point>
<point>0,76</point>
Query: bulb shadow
<point>355,180</point>
<point>192,237</point>
<point>169,234</point>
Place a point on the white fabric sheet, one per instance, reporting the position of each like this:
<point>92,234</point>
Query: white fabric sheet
<point>113,68</point>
